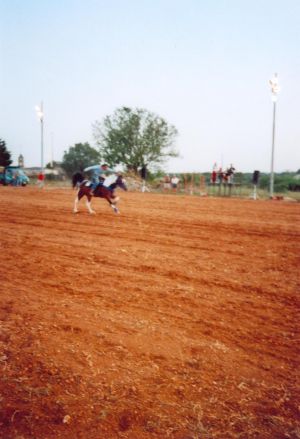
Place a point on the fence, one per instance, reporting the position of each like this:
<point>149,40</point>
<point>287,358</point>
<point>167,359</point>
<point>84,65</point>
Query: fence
<point>199,184</point>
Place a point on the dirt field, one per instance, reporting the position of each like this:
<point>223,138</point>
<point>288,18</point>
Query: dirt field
<point>175,319</point>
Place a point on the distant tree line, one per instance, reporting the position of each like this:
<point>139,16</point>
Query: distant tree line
<point>284,181</point>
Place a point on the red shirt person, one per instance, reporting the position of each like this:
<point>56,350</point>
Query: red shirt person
<point>41,178</point>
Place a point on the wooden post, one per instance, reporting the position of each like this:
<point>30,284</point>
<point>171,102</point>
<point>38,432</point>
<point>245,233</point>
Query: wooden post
<point>185,183</point>
<point>202,185</point>
<point>192,185</point>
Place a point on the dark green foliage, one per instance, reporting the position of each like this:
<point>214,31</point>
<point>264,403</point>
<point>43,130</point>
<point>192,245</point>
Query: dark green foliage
<point>78,157</point>
<point>134,138</point>
<point>51,165</point>
<point>5,155</point>
<point>294,186</point>
<point>285,181</point>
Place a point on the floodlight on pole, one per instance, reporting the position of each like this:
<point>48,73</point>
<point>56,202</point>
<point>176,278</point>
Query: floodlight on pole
<point>274,84</point>
<point>40,115</point>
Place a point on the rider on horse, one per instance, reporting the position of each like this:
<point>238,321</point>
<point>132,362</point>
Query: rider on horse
<point>104,172</point>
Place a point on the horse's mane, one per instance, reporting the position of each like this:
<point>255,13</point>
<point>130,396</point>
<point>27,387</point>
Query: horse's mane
<point>77,178</point>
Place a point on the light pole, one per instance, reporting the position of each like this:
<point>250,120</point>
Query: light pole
<point>40,114</point>
<point>274,90</point>
<point>52,155</point>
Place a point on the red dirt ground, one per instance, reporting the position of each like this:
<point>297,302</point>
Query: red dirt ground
<point>175,319</point>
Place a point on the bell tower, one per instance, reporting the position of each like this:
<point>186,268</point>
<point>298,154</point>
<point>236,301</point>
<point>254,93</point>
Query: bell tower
<point>21,161</point>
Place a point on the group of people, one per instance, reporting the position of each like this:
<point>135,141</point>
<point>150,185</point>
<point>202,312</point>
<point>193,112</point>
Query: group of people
<point>220,176</point>
<point>171,182</point>
<point>16,179</point>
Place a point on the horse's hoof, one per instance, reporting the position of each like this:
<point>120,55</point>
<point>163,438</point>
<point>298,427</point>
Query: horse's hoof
<point>75,211</point>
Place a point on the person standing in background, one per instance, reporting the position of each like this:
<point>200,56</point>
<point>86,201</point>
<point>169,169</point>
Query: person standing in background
<point>41,179</point>
<point>167,183</point>
<point>213,177</point>
<point>143,173</point>
<point>174,182</point>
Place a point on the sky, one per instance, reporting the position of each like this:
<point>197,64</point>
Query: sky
<point>204,66</point>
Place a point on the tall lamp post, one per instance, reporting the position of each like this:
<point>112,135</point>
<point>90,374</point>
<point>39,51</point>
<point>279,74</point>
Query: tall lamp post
<point>40,115</point>
<point>274,90</point>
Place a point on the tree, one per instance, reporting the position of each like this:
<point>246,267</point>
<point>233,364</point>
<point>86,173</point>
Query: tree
<point>52,164</point>
<point>5,155</point>
<point>79,157</point>
<point>134,138</point>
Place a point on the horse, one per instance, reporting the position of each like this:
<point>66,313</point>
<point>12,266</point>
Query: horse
<point>101,191</point>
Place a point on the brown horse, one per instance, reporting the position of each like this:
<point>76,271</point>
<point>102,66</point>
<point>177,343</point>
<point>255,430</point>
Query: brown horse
<point>101,191</point>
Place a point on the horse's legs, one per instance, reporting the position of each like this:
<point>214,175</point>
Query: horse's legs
<point>115,209</point>
<point>77,199</point>
<point>75,210</point>
<point>88,203</point>
<point>112,205</point>
<point>80,194</point>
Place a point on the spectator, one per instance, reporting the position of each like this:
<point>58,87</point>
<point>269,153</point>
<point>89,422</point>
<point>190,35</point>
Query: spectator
<point>15,179</point>
<point>167,183</point>
<point>213,177</point>
<point>143,173</point>
<point>41,179</point>
<point>220,176</point>
<point>230,174</point>
<point>19,179</point>
<point>174,182</point>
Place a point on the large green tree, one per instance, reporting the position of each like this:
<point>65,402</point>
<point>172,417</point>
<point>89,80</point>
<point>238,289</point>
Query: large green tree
<point>134,138</point>
<point>78,157</point>
<point>5,155</point>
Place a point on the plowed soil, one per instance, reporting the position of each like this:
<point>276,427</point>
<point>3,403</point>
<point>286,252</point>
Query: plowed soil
<point>175,319</point>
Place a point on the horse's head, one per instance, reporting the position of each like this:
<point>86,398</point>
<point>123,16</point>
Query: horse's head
<point>76,179</point>
<point>121,182</point>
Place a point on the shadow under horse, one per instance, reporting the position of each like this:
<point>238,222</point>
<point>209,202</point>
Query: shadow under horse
<point>101,191</point>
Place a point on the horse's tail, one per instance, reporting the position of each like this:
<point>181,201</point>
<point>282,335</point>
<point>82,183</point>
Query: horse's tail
<point>76,179</point>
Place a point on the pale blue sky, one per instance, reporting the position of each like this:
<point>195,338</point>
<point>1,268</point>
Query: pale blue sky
<point>202,65</point>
